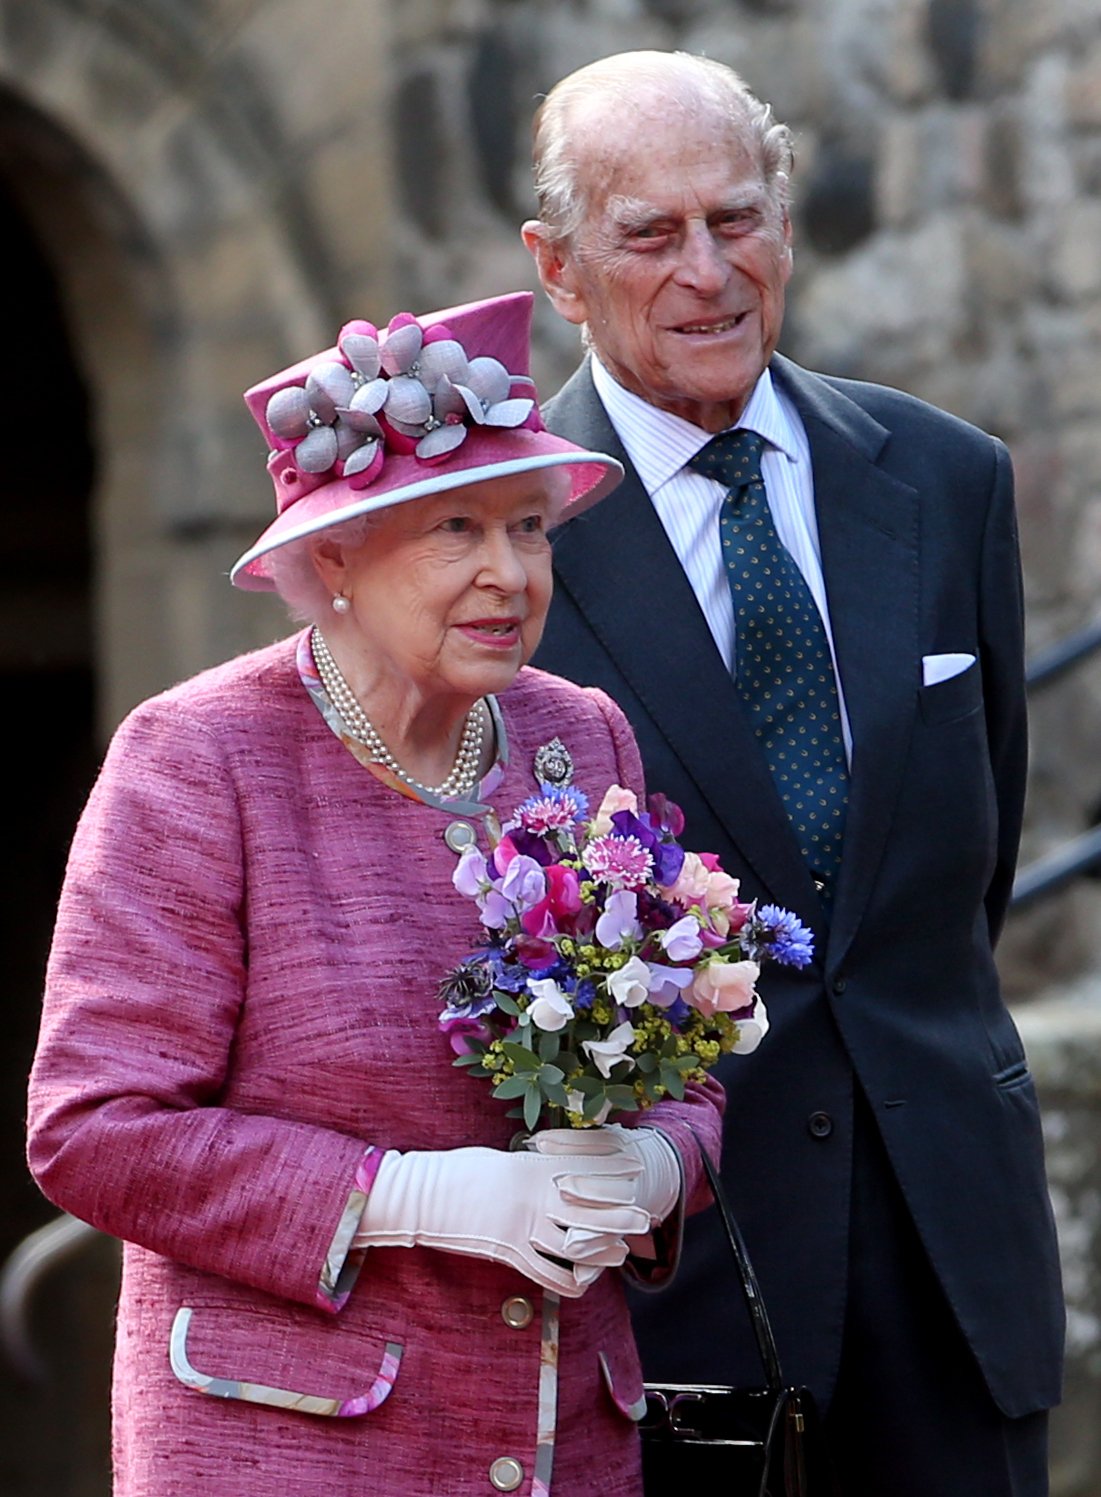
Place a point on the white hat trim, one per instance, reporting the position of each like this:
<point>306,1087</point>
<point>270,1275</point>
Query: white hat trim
<point>434,483</point>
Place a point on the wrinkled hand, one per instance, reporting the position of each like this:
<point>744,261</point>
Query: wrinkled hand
<point>560,1217</point>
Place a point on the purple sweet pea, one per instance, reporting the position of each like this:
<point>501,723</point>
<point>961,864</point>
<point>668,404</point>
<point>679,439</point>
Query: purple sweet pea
<point>534,846</point>
<point>524,882</point>
<point>619,922</point>
<point>667,984</point>
<point>461,1029</point>
<point>682,942</point>
<point>470,873</point>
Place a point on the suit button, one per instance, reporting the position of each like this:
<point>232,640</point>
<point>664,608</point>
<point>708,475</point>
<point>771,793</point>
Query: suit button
<point>517,1312</point>
<point>506,1474</point>
<point>820,1125</point>
<point>838,986</point>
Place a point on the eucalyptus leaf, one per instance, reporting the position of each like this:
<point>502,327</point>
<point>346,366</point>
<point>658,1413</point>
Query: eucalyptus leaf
<point>515,1086</point>
<point>555,1093</point>
<point>522,1058</point>
<point>549,1046</point>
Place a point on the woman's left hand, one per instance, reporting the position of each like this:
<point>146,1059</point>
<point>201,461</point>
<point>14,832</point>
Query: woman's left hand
<point>658,1186</point>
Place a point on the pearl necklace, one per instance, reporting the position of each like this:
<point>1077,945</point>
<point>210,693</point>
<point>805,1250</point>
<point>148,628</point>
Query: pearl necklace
<point>464,772</point>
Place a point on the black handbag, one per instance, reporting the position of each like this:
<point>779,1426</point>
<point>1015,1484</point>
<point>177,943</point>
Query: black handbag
<point>734,1442</point>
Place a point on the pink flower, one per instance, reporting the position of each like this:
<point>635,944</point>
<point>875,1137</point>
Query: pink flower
<point>460,1031</point>
<point>724,987</point>
<point>622,862</point>
<point>702,881</point>
<point>616,799</point>
<point>561,901</point>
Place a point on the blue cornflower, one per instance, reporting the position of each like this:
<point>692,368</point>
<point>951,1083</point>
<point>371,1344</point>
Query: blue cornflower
<point>582,990</point>
<point>554,808</point>
<point>781,935</point>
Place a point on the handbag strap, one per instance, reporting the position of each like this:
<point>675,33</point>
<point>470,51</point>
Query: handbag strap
<point>758,1315</point>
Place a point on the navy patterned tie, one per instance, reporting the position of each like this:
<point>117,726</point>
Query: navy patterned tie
<point>784,669</point>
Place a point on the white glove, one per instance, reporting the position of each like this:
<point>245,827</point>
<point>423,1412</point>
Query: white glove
<point>658,1187</point>
<point>559,1219</point>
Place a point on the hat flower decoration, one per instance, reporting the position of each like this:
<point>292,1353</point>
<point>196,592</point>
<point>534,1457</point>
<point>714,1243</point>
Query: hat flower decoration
<point>431,403</point>
<point>412,389</point>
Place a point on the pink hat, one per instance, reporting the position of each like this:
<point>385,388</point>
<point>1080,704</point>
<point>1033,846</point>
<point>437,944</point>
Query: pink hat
<point>432,403</point>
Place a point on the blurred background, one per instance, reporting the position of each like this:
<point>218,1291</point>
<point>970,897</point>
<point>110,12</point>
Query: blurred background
<point>195,193</point>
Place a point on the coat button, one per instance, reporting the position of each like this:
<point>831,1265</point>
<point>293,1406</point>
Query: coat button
<point>820,1125</point>
<point>517,1312</point>
<point>838,986</point>
<point>506,1474</point>
<point>459,836</point>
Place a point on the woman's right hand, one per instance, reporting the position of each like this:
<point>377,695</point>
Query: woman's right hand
<point>560,1220</point>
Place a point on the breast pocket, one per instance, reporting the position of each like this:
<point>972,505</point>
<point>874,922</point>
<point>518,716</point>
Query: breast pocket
<point>280,1358</point>
<point>955,698</point>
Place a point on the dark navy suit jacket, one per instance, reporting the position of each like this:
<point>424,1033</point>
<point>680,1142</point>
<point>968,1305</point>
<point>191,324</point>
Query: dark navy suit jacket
<point>919,552</point>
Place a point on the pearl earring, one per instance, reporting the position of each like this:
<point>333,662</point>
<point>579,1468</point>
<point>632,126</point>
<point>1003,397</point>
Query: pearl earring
<point>341,604</point>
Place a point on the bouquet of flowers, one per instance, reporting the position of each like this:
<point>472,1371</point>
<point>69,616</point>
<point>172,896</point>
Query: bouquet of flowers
<point>616,966</point>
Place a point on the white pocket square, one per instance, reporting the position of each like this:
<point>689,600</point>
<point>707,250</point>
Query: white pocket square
<point>937,668</point>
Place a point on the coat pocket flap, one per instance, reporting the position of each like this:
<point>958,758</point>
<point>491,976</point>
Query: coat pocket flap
<point>230,1348</point>
<point>627,1391</point>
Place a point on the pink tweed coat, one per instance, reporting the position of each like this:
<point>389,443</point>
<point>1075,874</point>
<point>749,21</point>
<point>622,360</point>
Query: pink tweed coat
<point>240,1015</point>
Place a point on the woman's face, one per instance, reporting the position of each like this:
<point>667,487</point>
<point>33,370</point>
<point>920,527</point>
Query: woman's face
<point>450,593</point>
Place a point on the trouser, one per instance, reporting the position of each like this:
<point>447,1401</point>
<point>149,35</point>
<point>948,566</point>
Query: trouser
<point>911,1415</point>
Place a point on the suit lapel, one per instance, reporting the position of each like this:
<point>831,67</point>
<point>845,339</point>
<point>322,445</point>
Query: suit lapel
<point>652,626</point>
<point>618,565</point>
<point>869,536</point>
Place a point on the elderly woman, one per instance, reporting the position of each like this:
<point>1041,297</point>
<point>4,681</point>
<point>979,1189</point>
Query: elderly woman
<point>240,1072</point>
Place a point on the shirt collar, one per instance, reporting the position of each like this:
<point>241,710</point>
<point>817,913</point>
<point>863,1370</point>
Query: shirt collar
<point>659,444</point>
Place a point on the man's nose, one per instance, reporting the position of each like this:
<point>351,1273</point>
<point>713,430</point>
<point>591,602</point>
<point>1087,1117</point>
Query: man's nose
<point>701,266</point>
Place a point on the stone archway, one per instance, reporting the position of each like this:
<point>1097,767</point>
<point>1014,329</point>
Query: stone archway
<point>183,198</point>
<point>49,671</point>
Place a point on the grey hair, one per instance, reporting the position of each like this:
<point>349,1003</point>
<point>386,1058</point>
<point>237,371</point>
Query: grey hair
<point>687,79</point>
<point>297,580</point>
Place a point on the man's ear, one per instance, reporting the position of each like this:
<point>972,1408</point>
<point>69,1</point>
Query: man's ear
<point>557,272</point>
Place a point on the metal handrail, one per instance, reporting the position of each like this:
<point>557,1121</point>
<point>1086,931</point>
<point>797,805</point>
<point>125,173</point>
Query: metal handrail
<point>29,1263</point>
<point>1078,855</point>
<point>1055,660</point>
<point>1082,854</point>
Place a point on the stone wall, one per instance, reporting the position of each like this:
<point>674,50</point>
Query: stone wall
<point>948,241</point>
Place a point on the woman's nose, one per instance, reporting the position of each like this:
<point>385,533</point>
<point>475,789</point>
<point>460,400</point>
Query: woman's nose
<point>502,566</point>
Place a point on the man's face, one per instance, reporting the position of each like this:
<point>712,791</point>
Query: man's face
<point>680,267</point>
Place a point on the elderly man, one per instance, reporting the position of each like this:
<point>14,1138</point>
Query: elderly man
<point>806,597</point>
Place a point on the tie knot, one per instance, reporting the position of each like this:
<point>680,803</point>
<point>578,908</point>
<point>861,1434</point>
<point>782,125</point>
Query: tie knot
<point>733,457</point>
